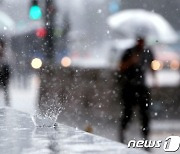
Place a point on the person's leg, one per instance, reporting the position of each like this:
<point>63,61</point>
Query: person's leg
<point>145,122</point>
<point>5,81</point>
<point>127,112</point>
<point>144,103</point>
<point>6,92</point>
<point>145,119</point>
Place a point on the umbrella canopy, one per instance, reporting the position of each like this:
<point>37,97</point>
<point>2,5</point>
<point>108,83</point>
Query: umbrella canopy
<point>7,24</point>
<point>141,23</point>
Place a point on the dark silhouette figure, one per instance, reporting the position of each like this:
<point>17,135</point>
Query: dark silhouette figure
<point>133,66</point>
<point>4,72</point>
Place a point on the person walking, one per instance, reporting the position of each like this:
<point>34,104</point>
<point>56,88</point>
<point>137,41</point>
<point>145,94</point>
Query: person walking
<point>4,71</point>
<point>134,92</point>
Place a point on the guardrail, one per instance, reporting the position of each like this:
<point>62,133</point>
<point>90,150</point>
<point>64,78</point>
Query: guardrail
<point>98,89</point>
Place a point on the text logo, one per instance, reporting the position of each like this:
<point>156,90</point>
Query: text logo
<point>144,144</point>
<point>172,144</point>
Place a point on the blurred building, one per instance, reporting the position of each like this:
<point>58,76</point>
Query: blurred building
<point>89,31</point>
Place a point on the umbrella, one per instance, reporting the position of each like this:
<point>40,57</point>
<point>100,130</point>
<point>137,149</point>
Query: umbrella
<point>140,23</point>
<point>7,24</point>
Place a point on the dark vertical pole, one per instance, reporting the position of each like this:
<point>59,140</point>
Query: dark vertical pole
<point>49,51</point>
<point>49,24</point>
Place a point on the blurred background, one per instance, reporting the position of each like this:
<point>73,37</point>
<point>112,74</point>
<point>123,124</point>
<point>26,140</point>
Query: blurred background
<point>63,56</point>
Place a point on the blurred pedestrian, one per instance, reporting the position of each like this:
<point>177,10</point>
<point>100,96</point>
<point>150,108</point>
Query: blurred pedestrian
<point>4,71</point>
<point>133,65</point>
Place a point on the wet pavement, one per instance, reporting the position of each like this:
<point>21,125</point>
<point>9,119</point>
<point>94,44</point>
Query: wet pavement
<point>20,136</point>
<point>25,99</point>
